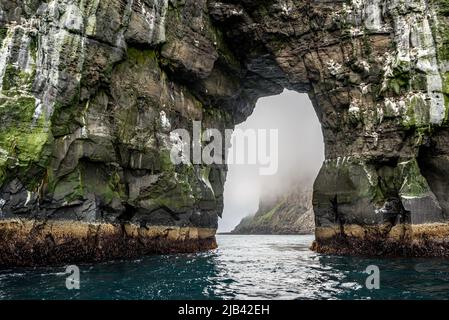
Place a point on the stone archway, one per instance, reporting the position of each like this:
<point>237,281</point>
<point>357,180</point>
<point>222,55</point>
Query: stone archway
<point>92,89</point>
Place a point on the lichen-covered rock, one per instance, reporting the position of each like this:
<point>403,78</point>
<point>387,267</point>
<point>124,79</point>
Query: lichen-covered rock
<point>90,91</point>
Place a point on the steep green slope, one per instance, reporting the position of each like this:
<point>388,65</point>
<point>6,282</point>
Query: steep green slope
<point>291,213</point>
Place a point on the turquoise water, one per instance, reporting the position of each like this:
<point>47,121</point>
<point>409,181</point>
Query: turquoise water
<point>244,267</point>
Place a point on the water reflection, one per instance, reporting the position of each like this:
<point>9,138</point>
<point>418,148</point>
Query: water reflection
<point>244,267</point>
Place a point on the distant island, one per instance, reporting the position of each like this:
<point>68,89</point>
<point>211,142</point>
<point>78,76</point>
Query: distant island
<point>289,213</point>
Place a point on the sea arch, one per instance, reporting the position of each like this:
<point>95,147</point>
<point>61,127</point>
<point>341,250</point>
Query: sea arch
<point>92,89</point>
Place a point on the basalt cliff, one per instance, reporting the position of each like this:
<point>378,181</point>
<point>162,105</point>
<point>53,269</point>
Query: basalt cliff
<point>90,91</point>
<point>289,213</point>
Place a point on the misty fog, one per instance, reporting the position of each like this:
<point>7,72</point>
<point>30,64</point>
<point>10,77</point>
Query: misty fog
<point>301,153</point>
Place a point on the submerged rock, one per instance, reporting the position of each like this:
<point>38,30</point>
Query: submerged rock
<point>90,91</point>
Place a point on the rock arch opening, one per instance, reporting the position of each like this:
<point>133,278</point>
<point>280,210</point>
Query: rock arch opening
<point>300,155</point>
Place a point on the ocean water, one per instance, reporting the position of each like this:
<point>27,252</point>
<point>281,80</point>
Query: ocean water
<point>244,267</point>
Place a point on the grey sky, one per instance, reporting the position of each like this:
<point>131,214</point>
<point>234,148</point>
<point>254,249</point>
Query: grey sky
<point>301,153</point>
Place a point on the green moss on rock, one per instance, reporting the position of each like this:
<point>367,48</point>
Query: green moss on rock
<point>413,183</point>
<point>3,33</point>
<point>16,78</point>
<point>142,56</point>
<point>23,140</point>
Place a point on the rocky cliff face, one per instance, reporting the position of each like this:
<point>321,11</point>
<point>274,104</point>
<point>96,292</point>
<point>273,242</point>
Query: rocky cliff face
<point>90,91</point>
<point>291,213</point>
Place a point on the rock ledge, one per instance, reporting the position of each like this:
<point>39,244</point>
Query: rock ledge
<point>34,243</point>
<point>404,240</point>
